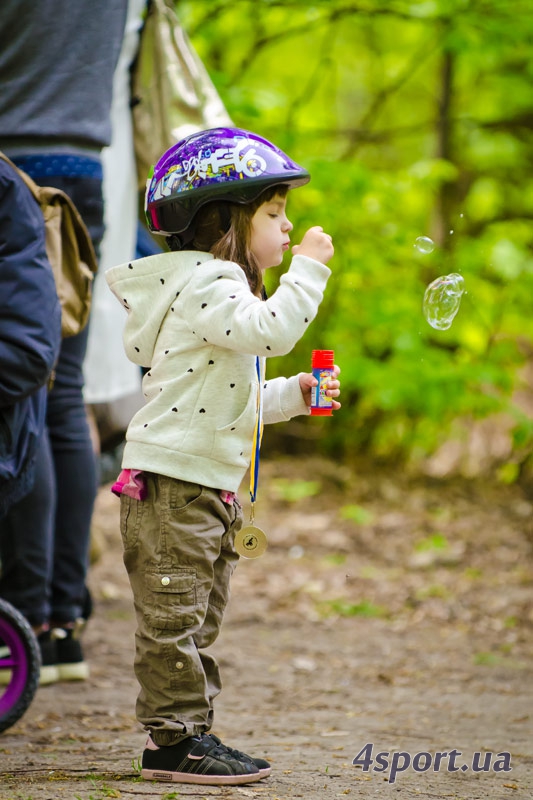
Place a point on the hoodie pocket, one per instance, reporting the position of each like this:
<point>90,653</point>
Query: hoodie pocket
<point>233,442</point>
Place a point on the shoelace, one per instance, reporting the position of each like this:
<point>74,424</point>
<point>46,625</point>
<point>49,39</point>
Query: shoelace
<point>214,745</point>
<point>230,750</point>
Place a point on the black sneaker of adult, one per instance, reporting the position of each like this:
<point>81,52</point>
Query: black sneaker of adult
<point>262,764</point>
<point>49,671</point>
<point>197,759</point>
<point>71,664</point>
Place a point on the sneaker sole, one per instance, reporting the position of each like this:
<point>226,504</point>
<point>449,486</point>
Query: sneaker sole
<point>206,780</point>
<point>49,674</point>
<point>73,672</point>
<point>265,772</point>
<point>54,674</point>
<point>5,677</point>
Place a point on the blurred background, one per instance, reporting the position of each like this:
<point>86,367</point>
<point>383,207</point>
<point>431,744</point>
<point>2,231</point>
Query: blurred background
<point>415,120</point>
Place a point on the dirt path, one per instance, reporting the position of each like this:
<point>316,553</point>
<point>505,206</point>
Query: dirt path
<point>385,611</point>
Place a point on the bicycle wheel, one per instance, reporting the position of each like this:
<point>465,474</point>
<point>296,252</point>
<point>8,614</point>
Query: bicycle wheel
<point>20,664</point>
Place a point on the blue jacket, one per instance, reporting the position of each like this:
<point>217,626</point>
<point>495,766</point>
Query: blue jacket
<point>30,334</point>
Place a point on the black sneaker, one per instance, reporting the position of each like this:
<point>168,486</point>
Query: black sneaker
<point>197,759</point>
<point>49,670</point>
<point>262,765</point>
<point>61,656</point>
<point>71,665</point>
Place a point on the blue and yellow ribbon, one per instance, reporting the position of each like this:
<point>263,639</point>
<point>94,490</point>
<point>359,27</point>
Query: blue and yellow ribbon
<point>256,441</point>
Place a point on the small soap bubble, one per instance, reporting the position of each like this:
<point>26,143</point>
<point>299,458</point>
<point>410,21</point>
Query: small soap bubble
<point>296,551</point>
<point>442,299</point>
<point>451,232</point>
<point>424,244</point>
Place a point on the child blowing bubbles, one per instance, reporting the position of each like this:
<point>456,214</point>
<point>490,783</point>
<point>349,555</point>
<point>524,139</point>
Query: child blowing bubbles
<point>199,320</point>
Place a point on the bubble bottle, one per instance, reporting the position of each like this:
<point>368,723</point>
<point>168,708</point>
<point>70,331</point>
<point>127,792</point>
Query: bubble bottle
<point>322,368</point>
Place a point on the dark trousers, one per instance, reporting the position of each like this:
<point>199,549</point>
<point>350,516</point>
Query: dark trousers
<point>44,539</point>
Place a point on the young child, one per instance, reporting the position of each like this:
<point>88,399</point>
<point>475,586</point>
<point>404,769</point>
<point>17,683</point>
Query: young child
<point>199,320</point>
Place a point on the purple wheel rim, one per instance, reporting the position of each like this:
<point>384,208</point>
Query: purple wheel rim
<point>16,661</point>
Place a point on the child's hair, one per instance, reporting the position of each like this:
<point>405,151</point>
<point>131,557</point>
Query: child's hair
<point>224,229</point>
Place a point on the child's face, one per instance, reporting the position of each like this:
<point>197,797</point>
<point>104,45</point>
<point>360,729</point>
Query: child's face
<point>270,232</point>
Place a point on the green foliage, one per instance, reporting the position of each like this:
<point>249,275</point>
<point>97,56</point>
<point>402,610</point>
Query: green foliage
<point>292,491</point>
<point>414,118</point>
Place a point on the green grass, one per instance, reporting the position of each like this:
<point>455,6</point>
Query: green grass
<point>343,608</point>
<point>357,514</point>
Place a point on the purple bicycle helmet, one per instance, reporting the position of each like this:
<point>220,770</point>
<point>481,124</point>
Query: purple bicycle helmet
<point>228,164</point>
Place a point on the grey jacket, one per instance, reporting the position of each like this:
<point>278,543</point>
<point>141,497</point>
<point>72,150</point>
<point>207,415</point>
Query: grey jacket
<point>57,61</point>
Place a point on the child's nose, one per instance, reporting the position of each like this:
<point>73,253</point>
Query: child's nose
<point>287,225</point>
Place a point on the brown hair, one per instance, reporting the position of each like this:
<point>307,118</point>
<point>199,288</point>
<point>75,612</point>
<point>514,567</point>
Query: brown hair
<point>224,229</point>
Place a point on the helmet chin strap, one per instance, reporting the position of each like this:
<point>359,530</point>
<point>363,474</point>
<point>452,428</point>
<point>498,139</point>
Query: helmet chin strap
<point>181,240</point>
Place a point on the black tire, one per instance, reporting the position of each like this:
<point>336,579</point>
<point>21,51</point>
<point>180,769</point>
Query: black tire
<point>16,696</point>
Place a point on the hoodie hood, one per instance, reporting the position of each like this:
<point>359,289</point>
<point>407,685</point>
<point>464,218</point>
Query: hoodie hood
<point>147,288</point>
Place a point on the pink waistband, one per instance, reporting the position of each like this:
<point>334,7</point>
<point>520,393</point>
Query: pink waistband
<point>132,482</point>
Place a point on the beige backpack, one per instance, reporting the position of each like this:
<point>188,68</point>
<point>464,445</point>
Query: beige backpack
<point>70,252</point>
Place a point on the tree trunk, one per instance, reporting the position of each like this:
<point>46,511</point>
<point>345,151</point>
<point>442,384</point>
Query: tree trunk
<point>446,195</point>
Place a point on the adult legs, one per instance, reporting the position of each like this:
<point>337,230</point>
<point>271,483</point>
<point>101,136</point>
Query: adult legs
<point>73,455</point>
<point>44,539</point>
<point>76,483</point>
<point>26,544</point>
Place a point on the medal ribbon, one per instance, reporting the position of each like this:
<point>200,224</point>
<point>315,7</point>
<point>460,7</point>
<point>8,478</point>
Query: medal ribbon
<point>256,442</point>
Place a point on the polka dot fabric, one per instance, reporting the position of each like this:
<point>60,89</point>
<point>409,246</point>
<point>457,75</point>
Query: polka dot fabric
<point>40,167</point>
<point>194,323</point>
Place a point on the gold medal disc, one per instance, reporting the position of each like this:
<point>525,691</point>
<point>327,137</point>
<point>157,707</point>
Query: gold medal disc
<point>250,542</point>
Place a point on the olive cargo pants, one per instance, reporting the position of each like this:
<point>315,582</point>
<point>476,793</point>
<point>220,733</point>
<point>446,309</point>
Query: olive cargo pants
<point>179,554</point>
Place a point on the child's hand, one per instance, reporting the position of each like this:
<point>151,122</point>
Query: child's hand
<point>308,380</point>
<point>315,244</point>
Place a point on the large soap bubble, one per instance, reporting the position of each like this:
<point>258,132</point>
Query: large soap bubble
<point>442,299</point>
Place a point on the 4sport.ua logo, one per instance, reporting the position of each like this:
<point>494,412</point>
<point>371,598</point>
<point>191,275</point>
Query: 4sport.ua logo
<point>424,761</point>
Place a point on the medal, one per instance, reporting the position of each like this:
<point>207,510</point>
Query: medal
<point>250,542</point>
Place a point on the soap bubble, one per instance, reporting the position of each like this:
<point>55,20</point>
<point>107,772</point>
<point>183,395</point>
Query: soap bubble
<point>442,299</point>
<point>424,244</point>
<point>296,551</point>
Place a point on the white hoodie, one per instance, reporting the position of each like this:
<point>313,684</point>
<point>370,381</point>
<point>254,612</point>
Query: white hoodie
<point>194,322</point>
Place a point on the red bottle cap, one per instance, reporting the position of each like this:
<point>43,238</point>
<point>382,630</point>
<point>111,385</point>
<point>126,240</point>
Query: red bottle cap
<point>322,359</point>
